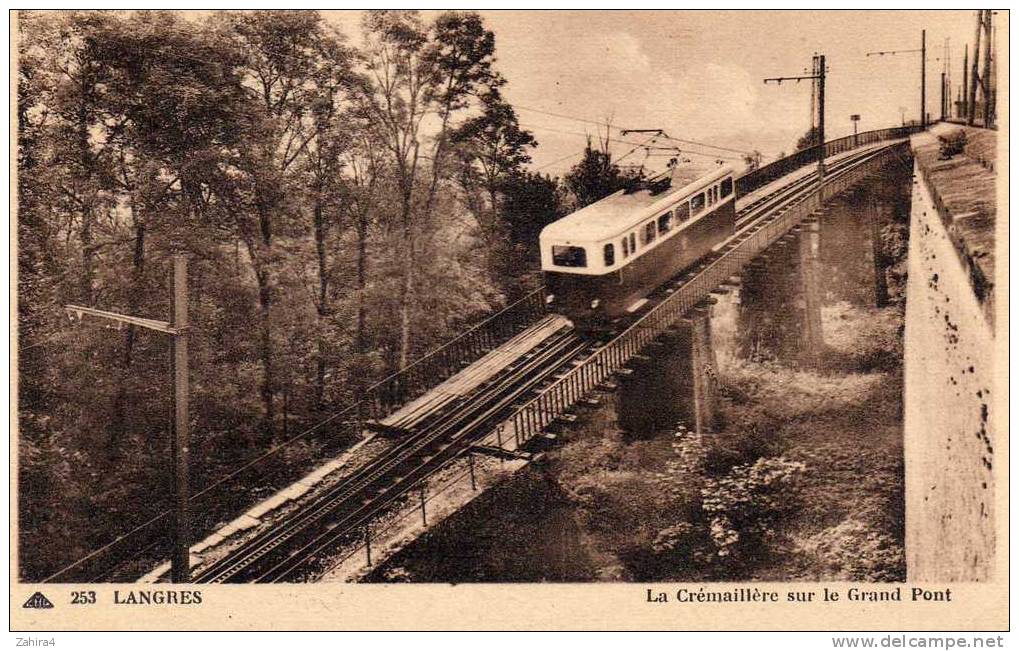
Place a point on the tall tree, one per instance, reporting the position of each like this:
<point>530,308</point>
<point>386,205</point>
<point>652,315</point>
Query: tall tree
<point>418,73</point>
<point>492,150</point>
<point>178,108</point>
<point>363,184</point>
<point>281,51</point>
<point>491,147</point>
<point>77,134</point>
<point>324,167</point>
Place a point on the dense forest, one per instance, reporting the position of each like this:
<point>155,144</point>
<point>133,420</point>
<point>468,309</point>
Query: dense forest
<point>346,202</point>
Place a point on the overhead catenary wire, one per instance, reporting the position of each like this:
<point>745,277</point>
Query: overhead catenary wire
<point>630,142</point>
<point>559,160</point>
<point>620,128</point>
<point>605,123</point>
<point>741,152</point>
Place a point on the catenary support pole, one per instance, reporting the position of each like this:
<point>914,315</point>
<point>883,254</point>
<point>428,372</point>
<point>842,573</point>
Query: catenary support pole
<point>974,76</point>
<point>923,79</point>
<point>181,567</point>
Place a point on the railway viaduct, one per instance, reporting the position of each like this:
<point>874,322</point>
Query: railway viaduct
<point>458,420</point>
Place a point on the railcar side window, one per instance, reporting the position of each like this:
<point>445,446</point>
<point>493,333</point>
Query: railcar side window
<point>697,204</point>
<point>711,196</point>
<point>569,256</point>
<point>649,232</point>
<point>633,243</point>
<point>726,187</point>
<point>610,255</point>
<point>682,212</point>
<point>626,247</point>
<point>665,222</point>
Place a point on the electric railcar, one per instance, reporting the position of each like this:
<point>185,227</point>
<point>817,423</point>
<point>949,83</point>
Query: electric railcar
<point>602,261</point>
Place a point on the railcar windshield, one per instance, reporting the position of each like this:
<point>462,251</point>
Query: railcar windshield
<point>569,256</point>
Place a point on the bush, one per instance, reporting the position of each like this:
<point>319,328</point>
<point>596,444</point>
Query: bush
<point>853,551</point>
<point>952,143</point>
<point>732,496</point>
<point>743,505</point>
<point>680,537</point>
<point>755,437</point>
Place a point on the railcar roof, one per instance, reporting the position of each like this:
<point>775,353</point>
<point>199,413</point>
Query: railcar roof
<point>617,212</point>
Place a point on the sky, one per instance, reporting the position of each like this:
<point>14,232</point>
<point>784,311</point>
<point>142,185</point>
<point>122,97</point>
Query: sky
<point>699,74</point>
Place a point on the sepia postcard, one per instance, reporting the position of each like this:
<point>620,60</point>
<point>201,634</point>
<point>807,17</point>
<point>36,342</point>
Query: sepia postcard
<point>510,320</point>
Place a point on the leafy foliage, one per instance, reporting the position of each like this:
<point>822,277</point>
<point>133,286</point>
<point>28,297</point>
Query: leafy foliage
<point>314,196</point>
<point>811,138</point>
<point>595,176</point>
<point>744,504</point>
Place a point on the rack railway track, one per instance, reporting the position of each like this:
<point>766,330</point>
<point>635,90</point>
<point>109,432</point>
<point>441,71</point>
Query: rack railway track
<point>280,551</point>
<point>288,549</point>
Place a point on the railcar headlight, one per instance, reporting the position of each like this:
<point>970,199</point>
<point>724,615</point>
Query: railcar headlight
<point>595,303</point>
<point>549,299</point>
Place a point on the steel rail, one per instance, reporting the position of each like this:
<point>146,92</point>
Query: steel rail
<point>398,451</point>
<point>375,471</point>
<point>532,417</point>
<point>461,438</point>
<point>383,495</point>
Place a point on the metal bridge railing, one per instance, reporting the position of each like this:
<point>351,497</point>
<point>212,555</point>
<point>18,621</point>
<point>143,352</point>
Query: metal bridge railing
<point>777,169</point>
<point>219,498</point>
<point>535,416</point>
<point>391,392</point>
<point>542,410</point>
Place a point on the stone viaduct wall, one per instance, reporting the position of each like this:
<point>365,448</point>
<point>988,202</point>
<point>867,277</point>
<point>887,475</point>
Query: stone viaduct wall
<point>950,438</point>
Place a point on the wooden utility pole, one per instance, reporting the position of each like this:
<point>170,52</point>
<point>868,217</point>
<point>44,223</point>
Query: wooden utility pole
<point>944,96</point>
<point>985,78</point>
<point>923,79</point>
<point>982,79</point>
<point>974,74</point>
<point>177,328</point>
<point>819,72</point>
<point>965,83</point>
<point>181,432</point>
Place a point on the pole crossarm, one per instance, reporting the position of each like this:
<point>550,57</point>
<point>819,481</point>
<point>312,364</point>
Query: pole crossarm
<point>882,53</point>
<point>151,324</point>
<point>779,80</point>
<point>629,131</point>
